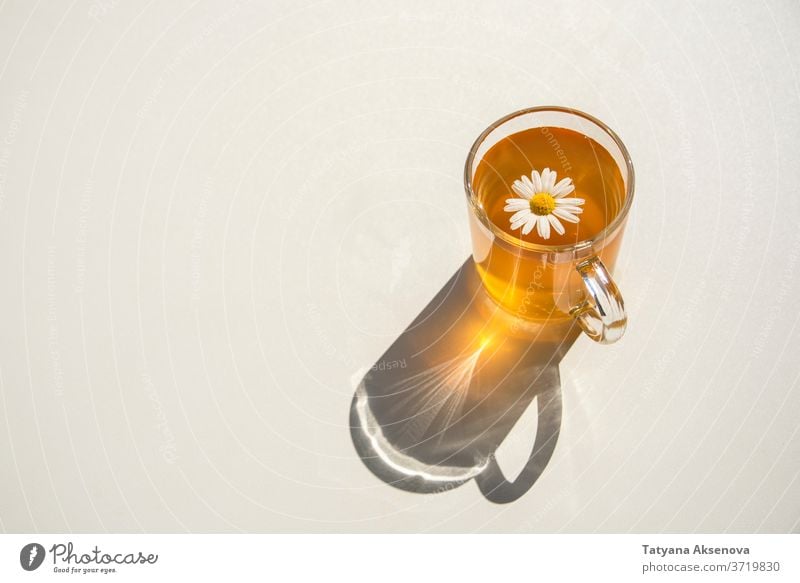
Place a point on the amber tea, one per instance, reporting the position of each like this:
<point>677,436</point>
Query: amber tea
<point>550,192</point>
<point>591,168</point>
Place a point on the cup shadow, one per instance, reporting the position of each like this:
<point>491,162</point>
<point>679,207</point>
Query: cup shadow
<point>431,413</point>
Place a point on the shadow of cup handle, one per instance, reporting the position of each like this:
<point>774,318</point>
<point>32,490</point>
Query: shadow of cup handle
<point>493,484</point>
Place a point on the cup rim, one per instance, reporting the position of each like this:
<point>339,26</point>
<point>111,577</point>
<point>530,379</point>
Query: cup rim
<point>472,198</point>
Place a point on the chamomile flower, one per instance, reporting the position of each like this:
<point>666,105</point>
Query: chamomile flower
<point>542,202</point>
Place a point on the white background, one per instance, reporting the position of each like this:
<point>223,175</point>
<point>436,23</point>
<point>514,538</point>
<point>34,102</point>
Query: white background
<point>213,216</point>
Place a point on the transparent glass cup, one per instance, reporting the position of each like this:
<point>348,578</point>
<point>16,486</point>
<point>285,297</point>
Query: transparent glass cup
<point>552,283</point>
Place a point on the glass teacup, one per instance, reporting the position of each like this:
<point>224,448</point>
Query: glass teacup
<point>528,277</point>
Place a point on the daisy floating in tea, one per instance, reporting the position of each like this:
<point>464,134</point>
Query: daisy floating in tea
<point>542,202</point>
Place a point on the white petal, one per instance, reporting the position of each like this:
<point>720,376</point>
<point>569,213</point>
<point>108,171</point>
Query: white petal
<point>575,201</point>
<point>520,222</point>
<point>516,204</point>
<point>529,184</point>
<point>537,181</point>
<point>517,225</point>
<point>575,210</point>
<point>519,216</point>
<point>556,224</point>
<point>565,215</point>
<point>548,179</point>
<point>522,189</point>
<point>529,225</point>
<point>543,227</point>
<point>553,178</point>
<point>563,188</point>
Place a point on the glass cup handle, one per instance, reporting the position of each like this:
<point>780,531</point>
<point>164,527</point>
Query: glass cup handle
<point>602,314</point>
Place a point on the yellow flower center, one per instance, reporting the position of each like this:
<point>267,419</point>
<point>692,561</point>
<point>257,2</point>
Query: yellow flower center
<point>543,203</point>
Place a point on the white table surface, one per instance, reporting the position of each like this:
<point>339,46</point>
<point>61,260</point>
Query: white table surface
<point>214,216</point>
